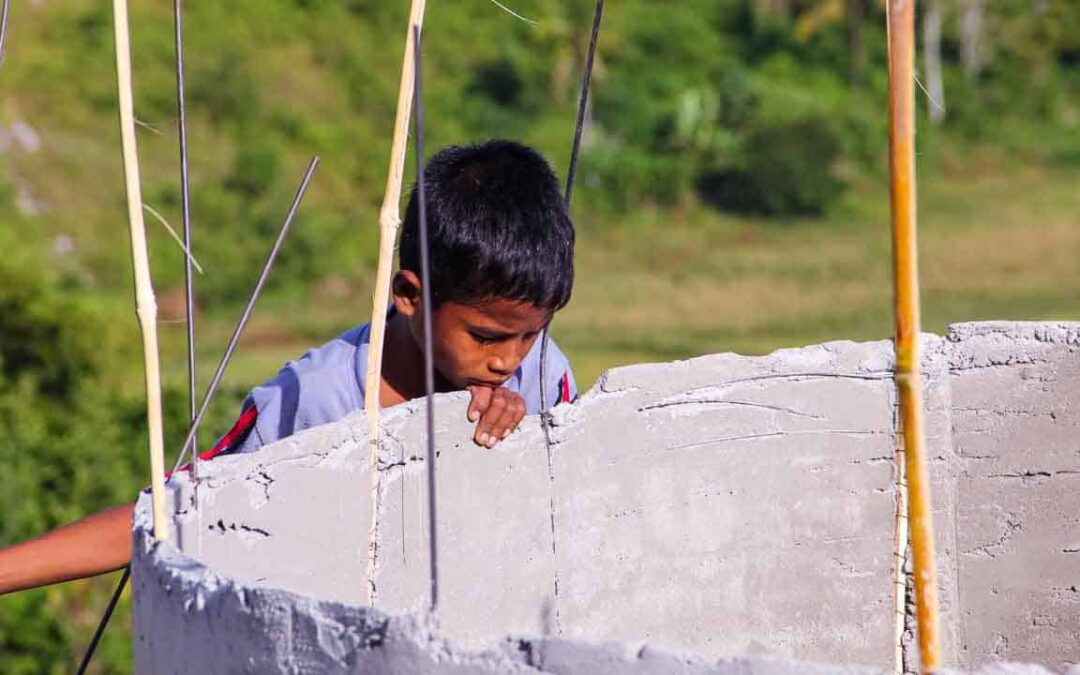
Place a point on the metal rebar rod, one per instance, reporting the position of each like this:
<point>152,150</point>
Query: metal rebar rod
<point>185,211</point>
<point>389,224</point>
<point>900,18</point>
<point>100,630</point>
<point>571,173</point>
<point>425,289</point>
<point>583,101</point>
<point>242,323</point>
<point>4,12</point>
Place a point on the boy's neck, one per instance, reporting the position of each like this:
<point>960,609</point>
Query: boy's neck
<point>403,366</point>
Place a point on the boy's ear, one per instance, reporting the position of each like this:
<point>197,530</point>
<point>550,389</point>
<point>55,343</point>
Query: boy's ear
<point>405,287</point>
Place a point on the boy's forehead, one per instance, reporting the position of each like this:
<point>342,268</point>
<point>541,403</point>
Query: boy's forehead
<point>500,313</point>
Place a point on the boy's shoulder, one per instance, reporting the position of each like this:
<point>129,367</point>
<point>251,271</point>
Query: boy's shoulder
<point>322,386</point>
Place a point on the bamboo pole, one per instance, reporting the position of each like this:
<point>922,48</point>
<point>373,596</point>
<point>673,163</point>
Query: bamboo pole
<point>145,306</point>
<point>389,223</point>
<point>900,18</point>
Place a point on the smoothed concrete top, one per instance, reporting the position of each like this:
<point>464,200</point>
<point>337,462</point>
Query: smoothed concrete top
<point>724,504</point>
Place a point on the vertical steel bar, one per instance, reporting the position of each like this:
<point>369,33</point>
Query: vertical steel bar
<point>185,211</point>
<point>583,101</point>
<point>4,12</point>
<point>425,281</point>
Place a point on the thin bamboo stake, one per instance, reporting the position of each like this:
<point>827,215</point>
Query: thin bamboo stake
<point>389,223</point>
<point>900,18</point>
<point>209,396</point>
<point>145,305</point>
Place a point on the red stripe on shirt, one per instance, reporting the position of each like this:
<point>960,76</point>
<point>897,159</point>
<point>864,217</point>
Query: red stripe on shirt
<point>242,425</point>
<point>564,385</point>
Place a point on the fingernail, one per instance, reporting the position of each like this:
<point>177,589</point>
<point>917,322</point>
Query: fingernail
<point>473,416</point>
<point>491,442</point>
<point>484,438</point>
<point>506,433</point>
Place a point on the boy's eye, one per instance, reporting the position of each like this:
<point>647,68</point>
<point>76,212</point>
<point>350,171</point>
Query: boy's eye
<point>483,339</point>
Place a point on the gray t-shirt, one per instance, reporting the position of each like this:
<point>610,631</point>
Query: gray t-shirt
<point>327,383</point>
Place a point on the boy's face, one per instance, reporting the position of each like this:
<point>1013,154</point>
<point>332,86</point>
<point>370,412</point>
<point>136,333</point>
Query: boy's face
<point>475,344</point>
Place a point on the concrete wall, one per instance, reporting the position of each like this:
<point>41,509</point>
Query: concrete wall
<point>726,504</point>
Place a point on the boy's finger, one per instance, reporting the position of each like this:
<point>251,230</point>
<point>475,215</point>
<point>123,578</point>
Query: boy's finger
<point>478,405</point>
<point>485,428</point>
<point>510,418</point>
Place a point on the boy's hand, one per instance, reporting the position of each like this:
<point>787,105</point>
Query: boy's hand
<point>497,412</point>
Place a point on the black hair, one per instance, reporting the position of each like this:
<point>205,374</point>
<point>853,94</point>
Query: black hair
<point>497,227</point>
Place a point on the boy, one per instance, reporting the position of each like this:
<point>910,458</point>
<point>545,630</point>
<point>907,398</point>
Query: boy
<point>501,264</point>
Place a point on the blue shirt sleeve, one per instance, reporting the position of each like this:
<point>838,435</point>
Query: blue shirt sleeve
<point>560,386</point>
<point>321,387</point>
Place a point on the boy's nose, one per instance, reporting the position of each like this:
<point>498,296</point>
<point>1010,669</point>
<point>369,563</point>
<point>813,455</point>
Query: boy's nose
<point>507,360</point>
<point>500,365</point>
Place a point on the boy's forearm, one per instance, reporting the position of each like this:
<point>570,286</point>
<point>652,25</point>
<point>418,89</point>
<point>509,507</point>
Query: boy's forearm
<point>96,544</point>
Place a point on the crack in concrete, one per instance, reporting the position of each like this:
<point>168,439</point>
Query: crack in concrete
<point>221,528</point>
<point>1013,524</point>
<point>718,401</point>
<point>1034,476</point>
<point>991,362</point>
<point>719,388</point>
<point>873,460</point>
<point>550,447</point>
<point>265,480</point>
<point>777,434</point>
<point>1005,412</point>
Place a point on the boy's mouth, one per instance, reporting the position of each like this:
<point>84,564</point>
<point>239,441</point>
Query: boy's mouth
<point>474,382</point>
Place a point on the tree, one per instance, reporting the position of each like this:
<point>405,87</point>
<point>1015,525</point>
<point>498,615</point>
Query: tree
<point>971,28</point>
<point>935,83</point>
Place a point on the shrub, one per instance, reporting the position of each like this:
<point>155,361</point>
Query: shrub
<point>786,168</point>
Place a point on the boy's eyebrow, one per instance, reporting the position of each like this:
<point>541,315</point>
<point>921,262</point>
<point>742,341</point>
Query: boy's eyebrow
<point>490,332</point>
